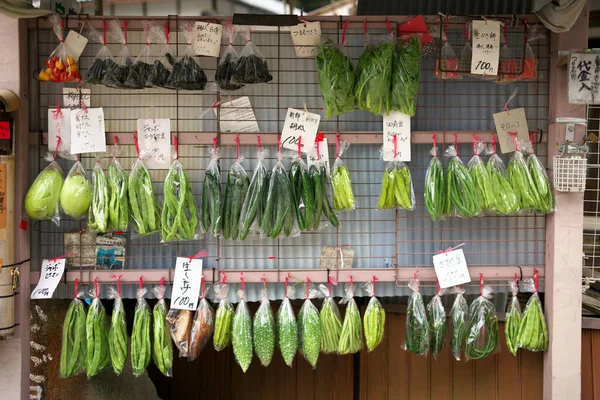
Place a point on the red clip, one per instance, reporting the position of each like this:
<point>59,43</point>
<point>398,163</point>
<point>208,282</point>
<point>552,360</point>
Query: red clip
<point>96,287</point>
<point>115,146</point>
<point>536,278</point>
<point>481,284</point>
<point>287,280</point>
<point>242,284</point>
<point>200,254</point>
<point>224,279</point>
<point>375,279</point>
<point>434,138</point>
<point>344,32</point>
<point>137,145</point>
<point>176,147</point>
<point>75,288</point>
<point>307,286</point>
<point>141,282</point>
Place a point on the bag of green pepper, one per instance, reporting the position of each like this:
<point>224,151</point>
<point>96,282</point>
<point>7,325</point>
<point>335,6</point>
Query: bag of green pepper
<point>236,190</point>
<point>264,329</point>
<point>162,345</point>
<point>481,178</point>
<point>162,67</point>
<point>396,186</point>
<point>505,198</point>
<point>309,328</point>
<point>117,335</point>
<point>343,196</point>
<point>103,61</point>
<point>254,202</point>
<point>542,184</point>
<point>287,327</point>
<point>98,353</point>
<point>186,73</point>
<point>224,317</point>
<point>434,193</point>
<point>227,63</point>
<point>141,351</point>
<point>331,320</point>
<point>437,323</point>
<point>461,194</point>
<point>521,181</point>
<point>241,335</point>
<point>303,192</point>
<point>482,326</point>
<point>416,339</point>
<point>211,194</point>
<point>533,331</point>
<point>73,352</point>
<point>459,315</point>
<point>406,65</point>
<point>513,318</point>
<point>374,318</point>
<point>351,336</point>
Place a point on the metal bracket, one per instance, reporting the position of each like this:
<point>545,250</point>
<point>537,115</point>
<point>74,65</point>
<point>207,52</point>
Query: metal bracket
<point>570,125</point>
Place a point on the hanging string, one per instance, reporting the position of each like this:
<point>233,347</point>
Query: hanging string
<point>237,146</point>
<point>137,145</point>
<point>96,287</point>
<point>167,32</point>
<point>447,21</point>
<point>200,254</point>
<point>278,146</point>
<point>214,147</point>
<point>249,34</point>
<point>264,280</point>
<point>415,275</point>
<point>75,288</point>
<point>516,280</point>
<point>531,142</point>
<point>58,141</point>
<point>389,26</point>
<point>344,32</point>
<point>337,145</point>
<point>318,141</point>
<point>375,279</point>
<point>62,34</point>
<point>351,284</point>
<point>146,28</point>
<point>449,249</point>
<point>125,24</point>
<point>119,284</point>
<point>104,31</point>
<point>467,36</point>
<point>505,28</point>
<point>176,147</point>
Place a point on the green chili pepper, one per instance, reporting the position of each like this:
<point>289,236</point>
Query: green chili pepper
<point>223,325</point>
<point>459,318</point>
<point>482,329</point>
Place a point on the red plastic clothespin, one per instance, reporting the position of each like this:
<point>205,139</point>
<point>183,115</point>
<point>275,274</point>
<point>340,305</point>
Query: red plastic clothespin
<point>476,140</point>
<point>456,143</point>
<point>75,288</point>
<point>395,140</point>
<point>96,287</point>
<point>258,141</point>
<point>375,279</point>
<point>202,286</point>
<point>536,278</point>
<point>494,143</point>
<point>176,147</point>
<point>141,282</point>
<point>237,146</point>
<point>434,139</point>
<point>389,26</point>
<point>287,280</point>
<point>125,24</point>
<point>115,146</point>
<point>264,281</point>
<point>351,284</point>
<point>214,146</point>
<point>307,285</point>
<point>531,141</point>
<point>103,32</point>
<point>516,280</point>
<point>337,144</point>
<point>366,32</point>
<point>242,284</point>
<point>318,139</point>
<point>167,32</point>
<point>200,254</point>
<point>514,135</point>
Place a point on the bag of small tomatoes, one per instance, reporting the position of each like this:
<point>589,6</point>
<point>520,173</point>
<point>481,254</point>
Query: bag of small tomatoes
<point>60,66</point>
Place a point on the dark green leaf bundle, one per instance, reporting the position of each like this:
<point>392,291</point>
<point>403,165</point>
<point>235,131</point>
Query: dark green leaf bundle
<point>287,332</point>
<point>318,175</point>
<point>224,319</point>
<point>331,325</point>
<point>162,346</point>
<point>396,188</point>
<point>251,66</point>
<point>522,183</point>
<point>533,332</point>
<point>374,73</point>
<point>225,68</point>
<point>461,195</point>
<point>434,188</point>
<point>505,198</point>
<point>73,353</point>
<point>417,327</point>
<point>141,352</point>
<point>343,196</point>
<point>351,336</point>
<point>117,335</point>
<point>235,195</point>
<point>437,324</point>
<point>118,213</point>
<point>458,317</point>
<point>241,336</point>
<point>513,322</point>
<point>406,65</point>
<point>278,216</point>
<point>374,323</point>
<point>187,73</point>
<point>303,193</point>
<point>98,215</point>
<point>542,184</point>
<point>143,209</point>
<point>142,67</point>
<point>117,72</point>
<point>102,63</point>
<point>98,353</point>
<point>253,207</point>
<point>482,329</point>
<point>336,79</point>
<point>211,197</point>
<point>179,218</point>
<point>263,329</point>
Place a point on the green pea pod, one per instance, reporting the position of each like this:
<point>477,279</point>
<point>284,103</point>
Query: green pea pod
<point>458,317</point>
<point>73,352</point>
<point>263,330</point>
<point>162,345</point>
<point>417,329</point>
<point>482,328</point>
<point>117,335</point>
<point>98,354</point>
<point>141,352</point>
<point>309,332</point>
<point>287,331</point>
<point>437,324</point>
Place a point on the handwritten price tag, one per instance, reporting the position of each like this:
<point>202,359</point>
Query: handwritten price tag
<point>511,121</point>
<point>61,126</point>
<point>186,284</point>
<point>305,37</point>
<point>75,44</point>
<point>396,124</point>
<point>237,116</point>
<point>300,124</point>
<point>87,131</point>
<point>207,39</point>
<point>486,48</point>
<point>52,271</point>
<point>451,268</point>
<point>72,98</point>
<point>323,152</point>
<point>155,141</point>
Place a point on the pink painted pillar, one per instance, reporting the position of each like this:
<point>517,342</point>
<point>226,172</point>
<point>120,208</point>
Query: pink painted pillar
<point>564,238</point>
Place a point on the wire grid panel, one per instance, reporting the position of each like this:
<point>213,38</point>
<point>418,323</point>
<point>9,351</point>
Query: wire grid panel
<point>569,173</point>
<point>591,203</point>
<point>379,238</point>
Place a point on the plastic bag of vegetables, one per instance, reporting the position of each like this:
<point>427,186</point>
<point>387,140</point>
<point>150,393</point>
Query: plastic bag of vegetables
<point>228,60</point>
<point>98,353</point>
<point>241,335</point>
<point>236,190</point>
<point>351,335</point>
<point>162,346</point>
<point>211,194</point>
<point>461,195</point>
<point>263,329</point>
<point>459,315</point>
<point>60,65</point>
<point>309,328</point>
<point>187,73</point>
<point>98,217</point>
<point>482,326</point>
<point>437,323</point>
<point>374,74</point>
<point>117,74</point>
<point>533,331</point>
<point>251,66</point>
<point>319,175</point>
<point>446,66</point>
<point>73,352</point>
<point>76,192</point>
<point>481,178</point>
<point>179,323</point>
<point>417,328</point>
<point>203,327</point>
<point>521,180</point>
<point>141,352</point>
<point>374,318</point>
<point>396,187</point>
<point>224,317</point>
<point>254,202</point>
<point>505,198</point>
<point>162,67</point>
<point>43,196</point>
<point>513,318</point>
<point>117,334</point>
<point>103,60</point>
<point>331,320</point>
<point>303,192</point>
<point>406,66</point>
<point>434,185</point>
<point>142,67</point>
<point>142,207</point>
<point>542,184</point>
<point>118,210</point>
<point>341,184</point>
<point>287,327</point>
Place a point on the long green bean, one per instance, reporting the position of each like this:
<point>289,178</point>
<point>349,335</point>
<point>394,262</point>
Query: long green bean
<point>179,218</point>
<point>73,353</point>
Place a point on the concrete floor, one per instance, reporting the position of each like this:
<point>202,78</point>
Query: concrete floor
<point>10,369</point>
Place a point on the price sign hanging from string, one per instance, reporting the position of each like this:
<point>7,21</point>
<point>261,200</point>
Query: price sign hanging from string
<point>187,282</point>
<point>396,124</point>
<point>50,275</point>
<point>451,267</point>
<point>486,47</point>
<point>300,124</point>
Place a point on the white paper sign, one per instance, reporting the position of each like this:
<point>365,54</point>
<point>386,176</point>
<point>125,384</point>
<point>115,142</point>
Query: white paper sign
<point>75,43</point>
<point>59,124</point>
<point>186,284</point>
<point>87,131</point>
<point>305,37</point>
<point>584,78</point>
<point>237,116</point>
<point>300,124</point>
<point>323,153</point>
<point>451,268</point>
<point>154,137</point>
<point>486,47</point>
<point>512,121</point>
<point>396,124</point>
<point>50,275</point>
<point>72,98</point>
<point>207,39</point>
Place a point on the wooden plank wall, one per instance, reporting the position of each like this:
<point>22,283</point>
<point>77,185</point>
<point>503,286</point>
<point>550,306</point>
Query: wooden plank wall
<point>590,364</point>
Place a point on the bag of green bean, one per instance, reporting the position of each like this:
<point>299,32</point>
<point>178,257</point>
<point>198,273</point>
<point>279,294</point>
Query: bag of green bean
<point>331,321</point>
<point>287,327</point>
<point>162,345</point>
<point>141,351</point>
<point>521,181</point>
<point>73,357</point>
<point>98,353</point>
<point>143,209</point>
<point>396,187</point>
<point>374,318</point>
<point>481,178</point>
<point>533,331</point>
<point>351,337</point>
<point>461,194</point>
<point>482,326</point>
<point>211,195</point>
<point>434,185</point>
<point>309,328</point>
<point>459,315</point>
<point>236,190</point>
<point>117,335</point>
<point>118,205</point>
<point>264,330</point>
<point>241,335</point>
<point>254,202</point>
<point>98,215</point>
<point>224,317</point>
<point>416,339</point>
<point>505,198</point>
<point>542,184</point>
<point>513,319</point>
<point>437,323</point>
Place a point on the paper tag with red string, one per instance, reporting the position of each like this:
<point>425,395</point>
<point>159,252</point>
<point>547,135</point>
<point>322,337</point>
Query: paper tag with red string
<point>73,97</point>
<point>206,39</point>
<point>451,267</point>
<point>154,138</point>
<point>486,47</point>
<point>507,121</point>
<point>306,36</point>
<point>50,276</point>
<point>237,116</point>
<point>88,133</point>
<point>75,44</point>
<point>186,283</point>
<point>320,152</point>
<point>300,124</point>
<point>59,126</point>
<point>396,124</point>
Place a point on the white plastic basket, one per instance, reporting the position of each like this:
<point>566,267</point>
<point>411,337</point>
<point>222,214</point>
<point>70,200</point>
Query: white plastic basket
<point>569,173</point>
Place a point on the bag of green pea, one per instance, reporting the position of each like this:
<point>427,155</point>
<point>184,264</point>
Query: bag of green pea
<point>73,357</point>
<point>504,195</point>
<point>98,353</point>
<point>309,328</point>
<point>241,335</point>
<point>513,319</point>
<point>264,330</point>
<point>533,331</point>
<point>331,321</point>
<point>287,327</point>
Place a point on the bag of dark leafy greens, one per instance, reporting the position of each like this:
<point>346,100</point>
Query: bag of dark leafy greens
<point>103,60</point>
<point>406,65</point>
<point>118,73</point>
<point>228,61</point>
<point>187,73</point>
<point>142,67</point>
<point>251,66</point>
<point>161,68</point>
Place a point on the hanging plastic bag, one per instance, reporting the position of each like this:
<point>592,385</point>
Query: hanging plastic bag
<point>224,317</point>
<point>374,318</point>
<point>76,192</point>
<point>480,177</point>
<point>141,351</point>
<point>203,327</point>
<point>309,328</point>
<point>533,331</point>
<point>482,327</point>
<point>117,335</point>
<point>406,68</point>
<point>162,67</point>
<point>303,192</point>
<point>351,337</point>
<point>251,66</point>
<point>417,328</point>
<point>241,335</point>
<point>434,185</point>
<point>459,315</point>
<point>521,181</point>
<point>98,217</point>
<point>505,198</point>
<point>103,61</point>
<point>143,209</point>
<point>187,73</point>
<point>236,190</point>
<point>446,65</point>
<point>162,346</point>
<point>228,60</point>
<point>461,196</point>
<point>437,323</point>
<point>118,213</point>
<point>117,75</point>
<point>60,65</point>
<point>374,73</point>
<point>530,62</point>
<point>43,196</point>
<point>142,67</point>
<point>507,68</point>
<point>179,323</point>
<point>545,203</point>
<point>331,320</point>
<point>211,194</point>
<point>466,55</point>
<point>73,352</point>
<point>396,186</point>
<point>319,175</point>
<point>287,327</point>
<point>98,353</point>
<point>253,206</point>
<point>343,196</point>
<point>263,328</point>
<point>513,318</point>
